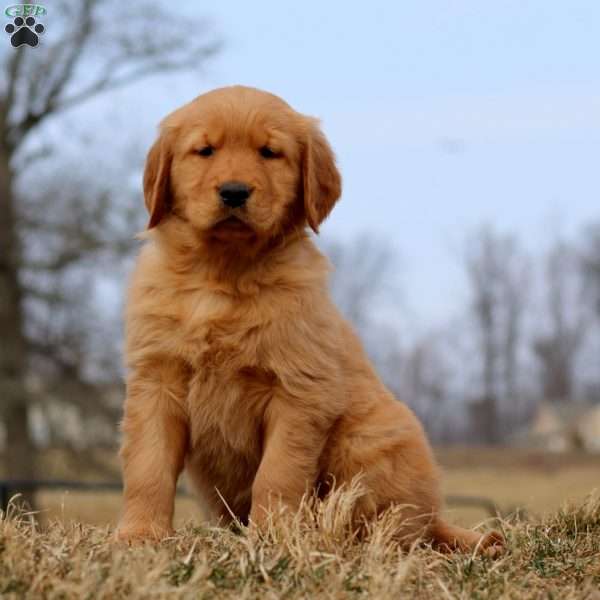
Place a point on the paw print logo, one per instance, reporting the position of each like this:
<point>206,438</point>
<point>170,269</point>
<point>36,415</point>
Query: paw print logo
<point>24,31</point>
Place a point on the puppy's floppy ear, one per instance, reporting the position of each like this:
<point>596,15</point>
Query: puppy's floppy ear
<point>157,188</point>
<point>321,180</point>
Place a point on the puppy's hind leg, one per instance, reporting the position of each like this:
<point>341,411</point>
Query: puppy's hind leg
<point>451,538</point>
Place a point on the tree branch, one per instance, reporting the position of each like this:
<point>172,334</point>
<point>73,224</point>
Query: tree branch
<point>14,64</point>
<point>107,84</point>
<point>48,88</point>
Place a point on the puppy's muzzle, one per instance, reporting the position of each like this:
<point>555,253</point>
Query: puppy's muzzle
<point>234,194</point>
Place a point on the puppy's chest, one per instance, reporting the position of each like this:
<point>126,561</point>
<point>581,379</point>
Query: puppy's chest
<point>218,334</point>
<point>223,341</point>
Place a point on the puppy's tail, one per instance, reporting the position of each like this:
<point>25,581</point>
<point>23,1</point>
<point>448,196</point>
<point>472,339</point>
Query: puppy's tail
<point>450,538</point>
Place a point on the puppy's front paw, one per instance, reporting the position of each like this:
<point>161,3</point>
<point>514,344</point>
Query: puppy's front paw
<point>492,545</point>
<point>138,533</point>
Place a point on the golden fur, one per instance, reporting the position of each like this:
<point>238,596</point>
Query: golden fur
<point>241,369</point>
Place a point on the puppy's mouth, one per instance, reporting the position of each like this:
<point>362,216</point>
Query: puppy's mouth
<point>232,227</point>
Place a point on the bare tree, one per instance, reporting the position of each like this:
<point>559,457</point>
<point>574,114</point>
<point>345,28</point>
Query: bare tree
<point>426,381</point>
<point>497,272</point>
<point>567,318</point>
<point>591,263</point>
<point>365,287</point>
<point>363,275</point>
<point>93,47</point>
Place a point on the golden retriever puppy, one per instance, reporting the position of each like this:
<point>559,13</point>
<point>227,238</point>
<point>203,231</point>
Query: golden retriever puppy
<point>241,369</point>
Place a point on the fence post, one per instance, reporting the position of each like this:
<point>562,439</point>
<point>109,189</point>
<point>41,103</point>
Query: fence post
<point>4,496</point>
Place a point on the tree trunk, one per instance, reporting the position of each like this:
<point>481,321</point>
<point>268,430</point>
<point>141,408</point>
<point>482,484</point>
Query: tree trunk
<point>20,450</point>
<point>489,403</point>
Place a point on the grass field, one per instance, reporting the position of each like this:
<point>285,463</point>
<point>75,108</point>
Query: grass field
<point>552,553</point>
<point>313,556</point>
<point>533,482</point>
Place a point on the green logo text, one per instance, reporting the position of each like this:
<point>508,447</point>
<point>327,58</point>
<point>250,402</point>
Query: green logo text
<point>25,10</point>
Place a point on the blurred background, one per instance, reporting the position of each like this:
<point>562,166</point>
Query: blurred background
<point>466,243</point>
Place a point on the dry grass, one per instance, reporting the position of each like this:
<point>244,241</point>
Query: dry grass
<point>312,555</point>
<point>532,481</point>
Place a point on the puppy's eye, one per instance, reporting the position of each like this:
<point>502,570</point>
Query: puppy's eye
<point>206,151</point>
<point>267,152</point>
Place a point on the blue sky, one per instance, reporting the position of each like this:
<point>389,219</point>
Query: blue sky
<point>444,115</point>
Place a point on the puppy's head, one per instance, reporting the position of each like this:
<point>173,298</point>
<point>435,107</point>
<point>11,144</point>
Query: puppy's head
<point>239,164</point>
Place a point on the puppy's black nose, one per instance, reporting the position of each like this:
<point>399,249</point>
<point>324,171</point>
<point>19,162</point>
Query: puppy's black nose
<point>234,193</point>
